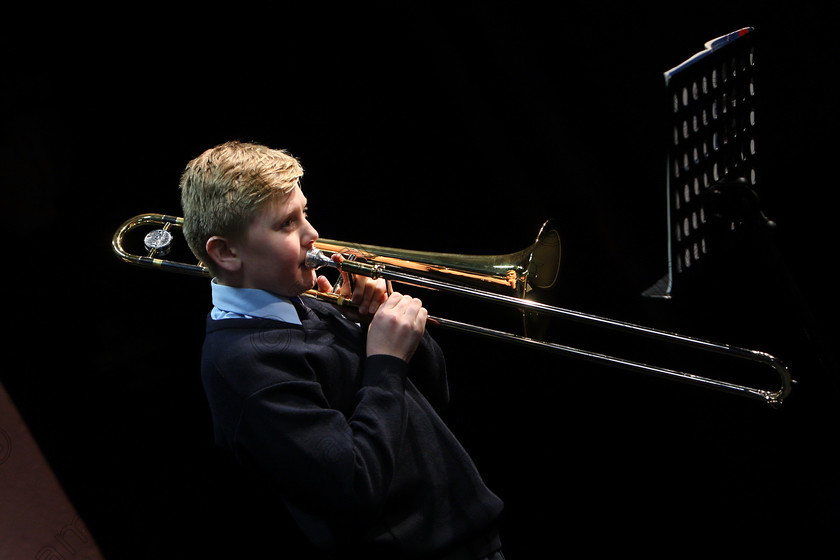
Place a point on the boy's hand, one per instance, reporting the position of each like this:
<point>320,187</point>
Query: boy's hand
<point>366,293</point>
<point>397,322</point>
<point>397,327</point>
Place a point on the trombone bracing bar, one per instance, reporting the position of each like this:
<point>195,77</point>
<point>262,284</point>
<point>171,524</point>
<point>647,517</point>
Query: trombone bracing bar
<point>535,266</point>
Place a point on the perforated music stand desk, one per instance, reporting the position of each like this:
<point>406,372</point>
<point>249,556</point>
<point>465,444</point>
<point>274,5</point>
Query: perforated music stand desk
<point>711,128</point>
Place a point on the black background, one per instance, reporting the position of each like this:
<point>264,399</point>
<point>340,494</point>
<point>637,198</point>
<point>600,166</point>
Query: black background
<point>459,128</point>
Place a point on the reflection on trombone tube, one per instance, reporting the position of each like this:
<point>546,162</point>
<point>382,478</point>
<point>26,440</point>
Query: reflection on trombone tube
<point>499,279</point>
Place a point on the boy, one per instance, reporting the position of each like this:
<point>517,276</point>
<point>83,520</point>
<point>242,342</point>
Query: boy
<point>329,412</point>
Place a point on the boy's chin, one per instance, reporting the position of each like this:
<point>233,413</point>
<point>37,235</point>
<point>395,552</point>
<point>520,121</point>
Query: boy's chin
<point>308,283</point>
<point>312,279</point>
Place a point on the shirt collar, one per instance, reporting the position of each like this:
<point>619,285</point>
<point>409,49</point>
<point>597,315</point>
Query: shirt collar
<point>230,302</point>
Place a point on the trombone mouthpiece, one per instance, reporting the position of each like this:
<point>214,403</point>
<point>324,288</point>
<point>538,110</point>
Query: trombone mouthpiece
<point>315,258</point>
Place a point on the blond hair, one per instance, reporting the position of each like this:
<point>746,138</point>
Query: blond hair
<point>225,187</point>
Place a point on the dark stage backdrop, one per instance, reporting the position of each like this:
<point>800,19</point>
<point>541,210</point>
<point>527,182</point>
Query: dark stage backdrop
<point>455,128</point>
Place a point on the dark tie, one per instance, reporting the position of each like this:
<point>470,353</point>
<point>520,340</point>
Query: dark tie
<point>304,312</point>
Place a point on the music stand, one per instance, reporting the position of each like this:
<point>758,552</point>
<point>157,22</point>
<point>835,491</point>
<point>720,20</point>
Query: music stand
<point>711,126</point>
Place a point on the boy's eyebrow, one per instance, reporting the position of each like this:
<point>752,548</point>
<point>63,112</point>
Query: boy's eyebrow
<point>287,213</point>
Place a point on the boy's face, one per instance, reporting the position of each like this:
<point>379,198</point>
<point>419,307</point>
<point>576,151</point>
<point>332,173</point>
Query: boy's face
<point>275,246</point>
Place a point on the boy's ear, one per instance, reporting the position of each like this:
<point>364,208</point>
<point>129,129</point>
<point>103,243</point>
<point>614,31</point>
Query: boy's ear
<point>223,253</point>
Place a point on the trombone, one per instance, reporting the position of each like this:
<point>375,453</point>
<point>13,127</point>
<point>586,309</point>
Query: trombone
<point>499,279</point>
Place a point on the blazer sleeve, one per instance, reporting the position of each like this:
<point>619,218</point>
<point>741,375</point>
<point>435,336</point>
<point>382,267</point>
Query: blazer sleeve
<point>427,370</point>
<point>324,462</point>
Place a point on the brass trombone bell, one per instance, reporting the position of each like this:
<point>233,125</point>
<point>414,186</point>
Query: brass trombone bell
<point>501,280</point>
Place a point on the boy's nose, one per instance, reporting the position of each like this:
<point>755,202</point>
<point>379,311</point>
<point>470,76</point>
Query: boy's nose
<point>313,237</point>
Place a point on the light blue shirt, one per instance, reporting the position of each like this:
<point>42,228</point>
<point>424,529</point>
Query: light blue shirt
<point>248,303</point>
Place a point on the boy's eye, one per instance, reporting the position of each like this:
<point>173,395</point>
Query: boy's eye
<point>293,219</point>
<point>285,224</point>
